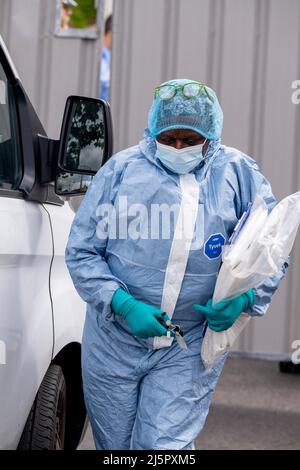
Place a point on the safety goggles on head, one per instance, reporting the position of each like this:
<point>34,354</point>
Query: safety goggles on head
<point>189,90</point>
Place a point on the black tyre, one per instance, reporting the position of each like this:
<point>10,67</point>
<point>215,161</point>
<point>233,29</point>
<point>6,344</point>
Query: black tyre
<point>45,426</point>
<point>289,367</point>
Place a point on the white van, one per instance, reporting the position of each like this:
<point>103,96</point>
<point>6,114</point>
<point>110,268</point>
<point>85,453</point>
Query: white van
<point>41,317</point>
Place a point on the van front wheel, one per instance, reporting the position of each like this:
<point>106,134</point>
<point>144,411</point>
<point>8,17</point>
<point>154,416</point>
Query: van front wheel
<point>45,426</point>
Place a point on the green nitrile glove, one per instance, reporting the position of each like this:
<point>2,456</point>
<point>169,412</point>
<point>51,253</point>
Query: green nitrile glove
<point>141,318</point>
<point>223,315</point>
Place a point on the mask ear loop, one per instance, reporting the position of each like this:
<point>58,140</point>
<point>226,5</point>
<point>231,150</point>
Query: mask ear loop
<point>203,147</point>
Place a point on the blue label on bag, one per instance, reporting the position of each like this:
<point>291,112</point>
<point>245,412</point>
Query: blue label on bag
<point>213,246</point>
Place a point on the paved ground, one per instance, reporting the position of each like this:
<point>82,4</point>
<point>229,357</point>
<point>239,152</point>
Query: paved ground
<point>254,407</point>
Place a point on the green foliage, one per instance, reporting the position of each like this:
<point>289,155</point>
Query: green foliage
<point>84,15</point>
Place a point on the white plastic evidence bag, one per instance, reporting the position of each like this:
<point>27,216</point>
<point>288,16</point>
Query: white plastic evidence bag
<point>260,245</point>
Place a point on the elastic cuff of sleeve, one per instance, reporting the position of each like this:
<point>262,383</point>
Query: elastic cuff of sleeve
<point>105,295</point>
<point>257,310</point>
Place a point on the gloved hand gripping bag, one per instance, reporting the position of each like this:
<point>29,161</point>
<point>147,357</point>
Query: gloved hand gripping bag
<point>261,248</point>
<point>258,253</point>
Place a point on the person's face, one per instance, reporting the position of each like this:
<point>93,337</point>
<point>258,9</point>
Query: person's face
<point>181,138</point>
<point>108,40</point>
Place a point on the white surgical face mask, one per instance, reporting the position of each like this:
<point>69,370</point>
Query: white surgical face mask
<point>180,161</point>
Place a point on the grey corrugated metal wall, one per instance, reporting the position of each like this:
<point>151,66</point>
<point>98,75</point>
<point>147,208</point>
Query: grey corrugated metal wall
<point>249,52</point>
<point>51,68</point>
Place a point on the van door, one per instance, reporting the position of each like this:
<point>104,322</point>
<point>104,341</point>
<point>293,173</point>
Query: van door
<point>26,251</point>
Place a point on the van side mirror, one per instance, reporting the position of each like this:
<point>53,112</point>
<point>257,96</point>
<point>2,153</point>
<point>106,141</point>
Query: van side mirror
<point>85,143</point>
<point>86,136</point>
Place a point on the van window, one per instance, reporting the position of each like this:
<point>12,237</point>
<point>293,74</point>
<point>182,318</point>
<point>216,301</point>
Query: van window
<point>10,157</point>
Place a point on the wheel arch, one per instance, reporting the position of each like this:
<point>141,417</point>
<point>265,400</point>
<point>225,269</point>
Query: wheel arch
<point>69,358</point>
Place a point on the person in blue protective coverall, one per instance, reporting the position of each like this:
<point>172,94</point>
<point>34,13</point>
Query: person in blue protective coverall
<point>142,390</point>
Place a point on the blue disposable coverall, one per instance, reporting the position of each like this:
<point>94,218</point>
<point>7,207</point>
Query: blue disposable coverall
<point>137,396</point>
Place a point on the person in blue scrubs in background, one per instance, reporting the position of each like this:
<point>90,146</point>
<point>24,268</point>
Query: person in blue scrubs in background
<point>142,390</point>
<point>105,72</point>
